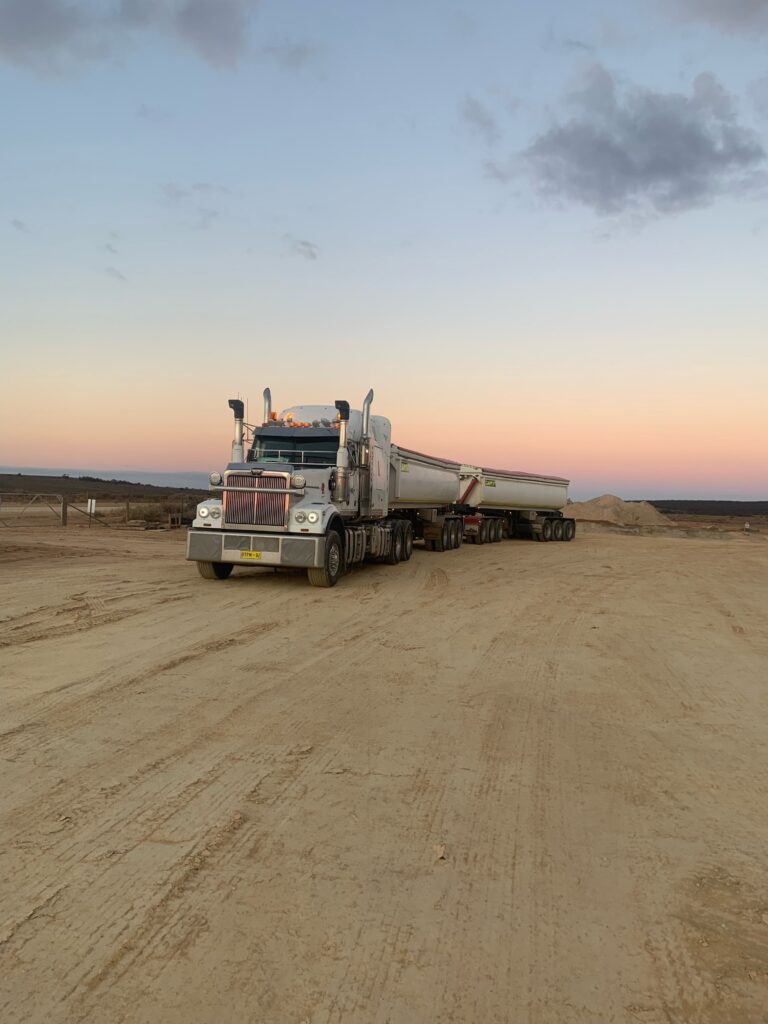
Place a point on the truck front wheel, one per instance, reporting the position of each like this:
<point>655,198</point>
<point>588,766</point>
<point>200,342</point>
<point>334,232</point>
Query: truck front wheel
<point>214,570</point>
<point>328,574</point>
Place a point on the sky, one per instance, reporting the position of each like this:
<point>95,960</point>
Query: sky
<point>538,231</point>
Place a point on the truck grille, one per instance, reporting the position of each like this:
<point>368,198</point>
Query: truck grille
<point>256,509</point>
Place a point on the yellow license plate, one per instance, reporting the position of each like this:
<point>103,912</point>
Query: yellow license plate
<point>250,554</point>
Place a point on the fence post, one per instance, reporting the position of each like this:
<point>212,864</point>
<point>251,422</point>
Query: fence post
<point>63,510</point>
<point>127,511</point>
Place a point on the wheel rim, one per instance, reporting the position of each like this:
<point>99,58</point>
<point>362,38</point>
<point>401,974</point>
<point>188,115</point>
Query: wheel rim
<point>334,560</point>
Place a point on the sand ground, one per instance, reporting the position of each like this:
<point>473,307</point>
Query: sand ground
<point>522,783</point>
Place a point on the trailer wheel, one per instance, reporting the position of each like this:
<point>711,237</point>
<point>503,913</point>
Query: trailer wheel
<point>396,546</point>
<point>481,536</point>
<point>546,530</point>
<point>459,532</point>
<point>453,534</point>
<point>215,570</point>
<point>407,541</point>
<point>328,574</point>
<point>498,530</point>
<point>557,529</point>
<point>569,529</point>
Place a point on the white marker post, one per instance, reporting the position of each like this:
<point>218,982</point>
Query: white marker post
<point>91,509</point>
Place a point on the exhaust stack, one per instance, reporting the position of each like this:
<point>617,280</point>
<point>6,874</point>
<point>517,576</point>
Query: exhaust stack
<point>342,456</point>
<point>267,405</point>
<point>238,409</point>
<point>366,430</point>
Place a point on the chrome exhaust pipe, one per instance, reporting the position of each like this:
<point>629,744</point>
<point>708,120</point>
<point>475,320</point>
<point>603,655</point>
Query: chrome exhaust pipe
<point>238,409</point>
<point>367,401</point>
<point>366,430</point>
<point>267,405</point>
<point>342,456</point>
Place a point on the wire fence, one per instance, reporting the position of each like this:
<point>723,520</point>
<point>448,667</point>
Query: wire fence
<point>26,508</point>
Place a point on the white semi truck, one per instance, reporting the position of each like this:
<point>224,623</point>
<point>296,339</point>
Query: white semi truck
<point>322,488</point>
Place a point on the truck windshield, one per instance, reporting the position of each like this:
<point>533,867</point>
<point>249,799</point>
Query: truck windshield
<point>295,449</point>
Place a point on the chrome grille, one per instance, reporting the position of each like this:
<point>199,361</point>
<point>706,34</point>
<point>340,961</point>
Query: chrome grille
<point>254,509</point>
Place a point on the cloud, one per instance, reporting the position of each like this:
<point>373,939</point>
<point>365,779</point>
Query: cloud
<point>290,56</point>
<point>206,216</point>
<point>301,247</point>
<point>729,15</point>
<point>217,29</point>
<point>480,120</point>
<point>173,192</point>
<point>49,34</point>
<point>758,92</point>
<point>110,248</point>
<point>115,273</point>
<point>211,187</point>
<point>20,226</point>
<point>629,149</point>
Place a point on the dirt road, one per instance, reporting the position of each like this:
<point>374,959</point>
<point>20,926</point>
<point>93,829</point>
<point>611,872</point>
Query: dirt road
<point>518,783</point>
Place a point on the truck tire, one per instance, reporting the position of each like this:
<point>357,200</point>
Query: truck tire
<point>481,537</point>
<point>498,530</point>
<point>454,534</point>
<point>407,541</point>
<point>396,545</point>
<point>546,530</point>
<point>459,532</point>
<point>569,529</point>
<point>557,529</point>
<point>328,574</point>
<point>215,570</point>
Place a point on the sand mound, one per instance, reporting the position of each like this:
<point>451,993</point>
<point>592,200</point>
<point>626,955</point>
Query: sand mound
<point>610,509</point>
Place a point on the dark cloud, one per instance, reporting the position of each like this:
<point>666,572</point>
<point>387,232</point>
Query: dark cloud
<point>20,226</point>
<point>115,273</point>
<point>31,28</point>
<point>217,29</point>
<point>480,120</point>
<point>48,34</point>
<point>625,148</point>
<point>729,15</point>
<point>301,247</point>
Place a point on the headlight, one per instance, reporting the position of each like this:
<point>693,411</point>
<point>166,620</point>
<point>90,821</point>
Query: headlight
<point>300,517</point>
<point>203,512</point>
<point>312,517</point>
<point>215,479</point>
<point>215,512</point>
<point>298,481</point>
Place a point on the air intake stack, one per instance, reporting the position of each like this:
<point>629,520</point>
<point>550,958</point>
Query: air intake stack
<point>342,456</point>
<point>238,409</point>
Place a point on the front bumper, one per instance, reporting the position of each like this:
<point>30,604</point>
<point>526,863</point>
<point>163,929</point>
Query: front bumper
<point>255,549</point>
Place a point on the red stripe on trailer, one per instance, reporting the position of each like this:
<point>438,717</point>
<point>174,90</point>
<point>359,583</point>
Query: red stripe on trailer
<point>466,494</point>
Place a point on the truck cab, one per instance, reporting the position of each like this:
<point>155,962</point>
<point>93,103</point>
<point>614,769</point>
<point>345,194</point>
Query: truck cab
<point>311,476</point>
